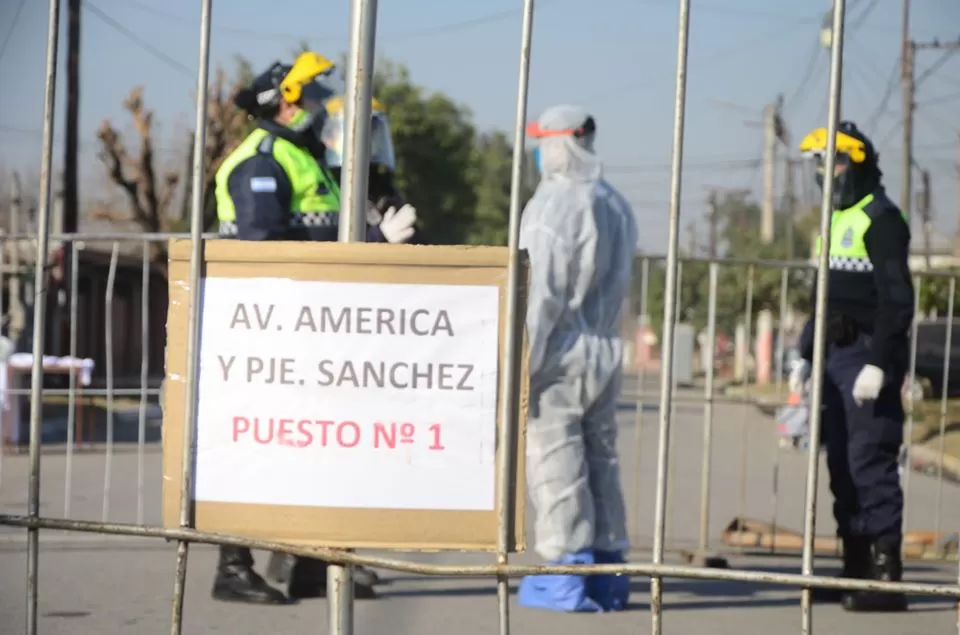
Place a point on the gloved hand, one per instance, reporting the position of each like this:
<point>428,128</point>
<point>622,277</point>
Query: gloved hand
<point>397,225</point>
<point>867,385</point>
<point>799,376</point>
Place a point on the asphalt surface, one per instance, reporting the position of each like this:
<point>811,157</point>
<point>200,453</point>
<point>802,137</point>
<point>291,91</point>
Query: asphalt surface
<point>91,585</point>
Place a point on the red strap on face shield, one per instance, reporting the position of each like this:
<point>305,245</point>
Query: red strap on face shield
<point>534,130</point>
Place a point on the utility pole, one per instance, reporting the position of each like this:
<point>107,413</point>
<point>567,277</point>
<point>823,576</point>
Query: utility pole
<point>692,235</point>
<point>789,203</point>
<point>908,83</point>
<point>769,172</point>
<point>775,132</point>
<point>923,208</point>
<point>713,219</point>
<point>70,203</point>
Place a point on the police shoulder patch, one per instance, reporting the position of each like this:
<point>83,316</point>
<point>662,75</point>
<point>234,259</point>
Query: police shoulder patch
<point>263,184</point>
<point>847,240</point>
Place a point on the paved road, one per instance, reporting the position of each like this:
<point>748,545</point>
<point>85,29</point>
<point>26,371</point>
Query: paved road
<point>91,586</point>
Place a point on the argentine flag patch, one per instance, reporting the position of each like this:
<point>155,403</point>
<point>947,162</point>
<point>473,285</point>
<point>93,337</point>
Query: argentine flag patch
<point>263,184</point>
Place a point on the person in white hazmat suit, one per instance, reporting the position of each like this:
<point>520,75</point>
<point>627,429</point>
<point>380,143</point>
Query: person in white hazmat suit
<point>581,236</point>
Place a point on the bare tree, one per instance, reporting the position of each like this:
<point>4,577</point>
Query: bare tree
<point>148,194</point>
<point>149,189</point>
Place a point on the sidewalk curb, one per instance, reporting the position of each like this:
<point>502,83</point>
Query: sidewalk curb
<point>923,460</point>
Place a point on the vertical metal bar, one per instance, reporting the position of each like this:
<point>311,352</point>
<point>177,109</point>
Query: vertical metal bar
<point>947,351</point>
<point>781,330</point>
<point>72,389</point>
<point>3,315</point>
<point>744,428</point>
<point>781,351</point>
<point>193,318</point>
<point>820,313</point>
<point>357,114</point>
<point>510,378</point>
<point>40,313</point>
<point>353,200</point>
<point>144,373</point>
<point>638,415</point>
<point>670,294</point>
<point>108,342</point>
<point>668,531</point>
<point>704,542</point>
<point>912,378</point>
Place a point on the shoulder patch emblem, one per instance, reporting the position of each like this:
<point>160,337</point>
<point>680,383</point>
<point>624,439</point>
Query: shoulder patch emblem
<point>847,240</point>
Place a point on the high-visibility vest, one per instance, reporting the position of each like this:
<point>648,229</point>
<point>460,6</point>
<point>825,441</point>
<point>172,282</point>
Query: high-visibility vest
<point>315,196</point>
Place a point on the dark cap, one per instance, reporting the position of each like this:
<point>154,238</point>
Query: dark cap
<point>262,96</point>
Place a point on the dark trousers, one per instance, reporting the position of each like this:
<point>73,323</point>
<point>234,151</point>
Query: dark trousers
<point>863,445</point>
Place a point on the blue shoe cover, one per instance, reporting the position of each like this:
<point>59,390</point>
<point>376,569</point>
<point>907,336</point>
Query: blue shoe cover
<point>611,592</point>
<point>562,593</point>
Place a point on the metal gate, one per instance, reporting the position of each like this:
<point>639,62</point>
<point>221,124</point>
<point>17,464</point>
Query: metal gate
<point>359,74</point>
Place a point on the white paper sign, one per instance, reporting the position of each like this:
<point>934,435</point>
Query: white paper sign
<point>326,394</point>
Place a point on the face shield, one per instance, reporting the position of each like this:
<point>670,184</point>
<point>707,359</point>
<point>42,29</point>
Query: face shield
<point>312,113</point>
<point>307,86</point>
<point>381,143</point>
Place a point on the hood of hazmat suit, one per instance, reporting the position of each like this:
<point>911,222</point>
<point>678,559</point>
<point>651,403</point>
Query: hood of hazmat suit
<point>581,237</point>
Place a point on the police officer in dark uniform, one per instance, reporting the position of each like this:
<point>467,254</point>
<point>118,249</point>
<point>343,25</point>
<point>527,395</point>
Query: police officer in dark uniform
<point>870,310</point>
<point>276,186</point>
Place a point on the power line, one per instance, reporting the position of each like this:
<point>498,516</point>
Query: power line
<point>713,57</point>
<point>863,16</point>
<point>936,65</point>
<point>13,27</point>
<point>940,100</point>
<point>729,164</point>
<point>885,100</point>
<point>806,77</point>
<point>138,41</point>
<point>259,34</point>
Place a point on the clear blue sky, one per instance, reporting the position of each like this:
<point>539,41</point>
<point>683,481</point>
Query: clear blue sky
<point>615,57</point>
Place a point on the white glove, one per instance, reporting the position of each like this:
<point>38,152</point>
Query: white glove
<point>397,225</point>
<point>868,384</point>
<point>374,217</point>
<point>799,376</point>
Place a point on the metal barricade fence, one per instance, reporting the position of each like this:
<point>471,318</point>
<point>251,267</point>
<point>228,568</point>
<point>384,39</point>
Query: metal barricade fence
<point>359,78</point>
<point>103,415</point>
<point>754,452</point>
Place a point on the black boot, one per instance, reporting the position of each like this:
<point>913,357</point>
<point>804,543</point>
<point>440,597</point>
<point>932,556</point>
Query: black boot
<point>887,567</point>
<point>308,579</point>
<point>856,564</point>
<point>281,565</point>
<point>236,580</point>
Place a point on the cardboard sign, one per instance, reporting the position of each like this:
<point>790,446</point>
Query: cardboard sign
<point>347,396</point>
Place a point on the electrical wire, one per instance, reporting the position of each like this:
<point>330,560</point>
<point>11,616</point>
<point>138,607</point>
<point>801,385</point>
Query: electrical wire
<point>935,66</point>
<point>138,41</point>
<point>13,27</point>
<point>858,22</point>
<point>884,102</point>
<point>774,35</point>
<point>812,64</point>
<point>940,100</point>
<point>258,34</point>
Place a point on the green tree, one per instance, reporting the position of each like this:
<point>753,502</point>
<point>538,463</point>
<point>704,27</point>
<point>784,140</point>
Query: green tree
<point>935,293</point>
<point>740,240</point>
<point>491,176</point>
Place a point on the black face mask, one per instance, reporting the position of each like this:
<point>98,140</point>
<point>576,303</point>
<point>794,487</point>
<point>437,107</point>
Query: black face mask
<point>844,184</point>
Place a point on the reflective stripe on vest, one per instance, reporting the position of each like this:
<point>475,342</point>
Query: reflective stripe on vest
<point>315,197</point>
<point>848,252</point>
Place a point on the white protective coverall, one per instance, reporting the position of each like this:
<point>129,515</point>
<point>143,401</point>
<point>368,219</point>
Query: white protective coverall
<point>581,236</point>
